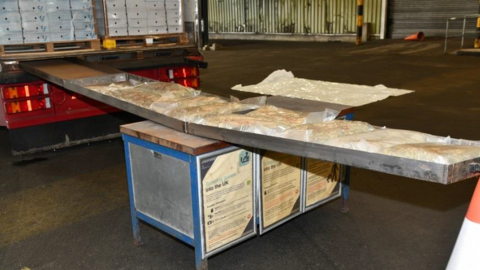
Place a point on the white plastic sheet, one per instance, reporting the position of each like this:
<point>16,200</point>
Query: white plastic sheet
<point>283,83</point>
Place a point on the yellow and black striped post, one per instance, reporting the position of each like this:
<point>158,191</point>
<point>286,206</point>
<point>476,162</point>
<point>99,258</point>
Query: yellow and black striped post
<point>477,40</point>
<point>360,21</point>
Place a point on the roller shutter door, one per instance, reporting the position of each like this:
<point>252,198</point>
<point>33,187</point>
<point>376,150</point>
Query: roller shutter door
<point>409,16</point>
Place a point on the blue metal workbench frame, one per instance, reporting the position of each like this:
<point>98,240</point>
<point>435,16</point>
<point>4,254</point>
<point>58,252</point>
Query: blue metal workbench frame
<point>195,242</point>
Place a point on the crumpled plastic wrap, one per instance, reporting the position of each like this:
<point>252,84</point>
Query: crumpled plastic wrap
<point>140,98</point>
<point>174,106</point>
<point>169,90</point>
<point>283,83</point>
<point>277,114</point>
<point>271,120</point>
<point>246,123</point>
<point>380,139</point>
<point>290,117</point>
<point>144,94</point>
<point>321,132</point>
<point>197,114</point>
<point>434,152</point>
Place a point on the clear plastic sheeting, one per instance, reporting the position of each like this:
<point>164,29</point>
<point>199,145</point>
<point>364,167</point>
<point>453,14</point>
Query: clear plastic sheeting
<point>322,132</point>
<point>247,123</point>
<point>435,152</point>
<point>176,90</point>
<point>283,83</point>
<point>270,120</point>
<point>197,114</point>
<point>378,140</point>
<point>276,114</point>
<point>144,94</point>
<point>173,106</point>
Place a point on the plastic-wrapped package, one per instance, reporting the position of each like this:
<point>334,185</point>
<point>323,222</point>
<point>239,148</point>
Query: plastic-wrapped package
<point>171,90</point>
<point>293,118</point>
<point>434,152</point>
<point>197,114</point>
<point>144,94</point>
<point>322,132</point>
<point>246,123</point>
<point>379,139</point>
<point>277,114</point>
<point>282,83</point>
<point>270,120</point>
<point>166,106</point>
<point>141,98</point>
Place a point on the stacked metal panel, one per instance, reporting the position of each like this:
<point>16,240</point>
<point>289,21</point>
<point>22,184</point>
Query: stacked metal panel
<point>41,21</point>
<point>10,23</point>
<point>59,20</point>
<point>173,10</point>
<point>83,19</point>
<point>120,18</point>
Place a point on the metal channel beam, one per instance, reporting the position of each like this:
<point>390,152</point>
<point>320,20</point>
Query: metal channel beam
<point>426,171</point>
<point>101,75</point>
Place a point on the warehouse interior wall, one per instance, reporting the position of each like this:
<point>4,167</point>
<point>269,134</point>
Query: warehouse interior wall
<point>292,17</point>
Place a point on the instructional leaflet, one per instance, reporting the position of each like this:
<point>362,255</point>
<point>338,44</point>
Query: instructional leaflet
<point>228,203</point>
<point>281,180</point>
<point>322,180</point>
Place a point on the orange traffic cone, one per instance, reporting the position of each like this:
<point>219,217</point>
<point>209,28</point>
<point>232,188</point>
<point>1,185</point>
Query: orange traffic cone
<point>420,36</point>
<point>465,255</point>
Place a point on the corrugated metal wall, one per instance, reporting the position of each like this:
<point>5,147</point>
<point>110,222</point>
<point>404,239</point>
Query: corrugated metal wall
<point>291,16</point>
<point>409,16</point>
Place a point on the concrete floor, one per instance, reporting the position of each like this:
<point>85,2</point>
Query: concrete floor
<point>69,209</point>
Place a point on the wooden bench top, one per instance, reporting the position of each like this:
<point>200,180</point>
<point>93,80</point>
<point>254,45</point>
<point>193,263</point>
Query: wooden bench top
<point>164,136</point>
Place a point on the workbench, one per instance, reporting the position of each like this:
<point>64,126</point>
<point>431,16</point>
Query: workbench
<point>212,195</point>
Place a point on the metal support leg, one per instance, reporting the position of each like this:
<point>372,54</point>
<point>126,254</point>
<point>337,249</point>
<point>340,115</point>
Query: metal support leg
<point>133,212</point>
<point>346,191</point>
<point>136,230</point>
<point>199,263</point>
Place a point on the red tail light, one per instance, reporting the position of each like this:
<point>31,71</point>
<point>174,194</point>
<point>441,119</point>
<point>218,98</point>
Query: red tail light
<point>195,57</point>
<point>24,91</point>
<point>29,105</point>
<point>189,82</point>
<point>184,72</point>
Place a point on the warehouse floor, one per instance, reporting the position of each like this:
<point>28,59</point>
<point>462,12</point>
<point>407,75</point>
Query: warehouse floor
<point>69,209</point>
